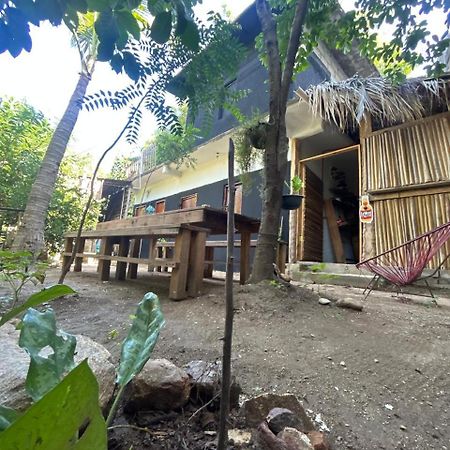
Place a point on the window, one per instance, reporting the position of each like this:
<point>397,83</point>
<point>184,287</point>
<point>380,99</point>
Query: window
<point>237,198</point>
<point>190,201</point>
<point>139,210</point>
<point>160,206</point>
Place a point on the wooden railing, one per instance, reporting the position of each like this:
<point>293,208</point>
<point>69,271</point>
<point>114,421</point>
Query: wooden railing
<point>145,162</point>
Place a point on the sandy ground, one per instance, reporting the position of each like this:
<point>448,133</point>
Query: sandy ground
<point>380,378</point>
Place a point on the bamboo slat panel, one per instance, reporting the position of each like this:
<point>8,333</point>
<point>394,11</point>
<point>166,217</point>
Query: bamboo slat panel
<point>411,154</point>
<point>399,220</point>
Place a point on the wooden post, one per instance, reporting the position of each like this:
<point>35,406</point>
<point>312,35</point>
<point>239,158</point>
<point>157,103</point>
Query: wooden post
<point>222,443</point>
<point>151,253</point>
<point>196,263</point>
<point>209,267</point>
<point>68,248</point>
<point>134,253</point>
<point>335,234</point>
<point>79,259</point>
<point>121,268</point>
<point>282,256</point>
<point>245,256</point>
<point>293,215</point>
<point>178,279</point>
<point>105,265</point>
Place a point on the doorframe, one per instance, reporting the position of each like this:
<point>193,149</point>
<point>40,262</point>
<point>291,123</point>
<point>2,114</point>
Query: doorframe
<point>301,210</point>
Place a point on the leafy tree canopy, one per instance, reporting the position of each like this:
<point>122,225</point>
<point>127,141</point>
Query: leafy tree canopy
<point>115,22</point>
<point>24,138</point>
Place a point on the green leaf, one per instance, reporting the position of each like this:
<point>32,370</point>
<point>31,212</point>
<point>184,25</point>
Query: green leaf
<point>127,21</point>
<point>67,418</point>
<point>38,333</point>
<point>138,345</point>
<point>162,27</point>
<point>7,417</point>
<point>46,295</point>
<point>191,37</point>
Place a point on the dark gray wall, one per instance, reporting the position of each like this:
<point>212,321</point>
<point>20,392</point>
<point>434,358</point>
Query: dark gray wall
<point>212,195</point>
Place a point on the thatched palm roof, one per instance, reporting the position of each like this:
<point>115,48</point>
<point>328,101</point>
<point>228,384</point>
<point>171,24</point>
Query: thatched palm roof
<point>345,103</point>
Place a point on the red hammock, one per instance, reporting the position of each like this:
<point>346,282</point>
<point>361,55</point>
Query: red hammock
<point>404,264</point>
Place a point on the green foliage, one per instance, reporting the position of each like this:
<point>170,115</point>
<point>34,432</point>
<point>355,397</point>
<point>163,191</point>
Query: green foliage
<point>138,345</point>
<point>141,339</point>
<point>119,167</point>
<point>23,141</point>
<point>199,77</point>
<point>68,417</point>
<point>296,184</point>
<point>7,417</point>
<point>38,298</point>
<point>38,332</point>
<point>358,28</point>
<point>116,24</point>
<point>19,269</point>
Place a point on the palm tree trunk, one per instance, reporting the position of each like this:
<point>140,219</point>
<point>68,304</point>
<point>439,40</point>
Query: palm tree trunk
<point>30,235</point>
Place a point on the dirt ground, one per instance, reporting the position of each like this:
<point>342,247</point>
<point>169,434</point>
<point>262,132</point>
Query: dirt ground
<point>380,378</point>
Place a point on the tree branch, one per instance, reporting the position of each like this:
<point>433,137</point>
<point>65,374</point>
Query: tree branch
<point>294,40</point>
<point>269,29</point>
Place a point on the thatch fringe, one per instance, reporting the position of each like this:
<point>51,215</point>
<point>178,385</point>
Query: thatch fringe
<point>346,102</point>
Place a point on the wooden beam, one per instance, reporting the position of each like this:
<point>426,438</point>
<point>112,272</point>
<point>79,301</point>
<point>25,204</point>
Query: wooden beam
<point>196,263</point>
<point>340,151</point>
<point>79,261</point>
<point>209,259</point>
<point>178,280</point>
<point>121,268</point>
<point>134,253</point>
<point>106,248</point>
<point>68,248</point>
<point>245,257</point>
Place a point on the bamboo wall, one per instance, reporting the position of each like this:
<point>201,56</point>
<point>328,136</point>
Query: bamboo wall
<point>406,171</point>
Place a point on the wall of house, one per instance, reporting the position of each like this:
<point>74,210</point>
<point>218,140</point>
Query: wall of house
<point>406,171</point>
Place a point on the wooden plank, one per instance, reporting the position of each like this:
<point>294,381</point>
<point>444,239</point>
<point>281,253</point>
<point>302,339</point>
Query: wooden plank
<point>106,248</point>
<point>151,253</point>
<point>134,253</point>
<point>282,256</point>
<point>121,269</point>
<point>335,235</point>
<point>339,151</point>
<point>196,263</point>
<point>79,260</point>
<point>68,248</point>
<point>139,231</point>
<point>177,289</point>
<point>209,262</point>
<point>245,257</point>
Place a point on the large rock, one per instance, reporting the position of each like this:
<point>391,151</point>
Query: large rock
<point>255,410</point>
<point>206,382</point>
<point>161,385</point>
<point>14,364</point>
<point>280,418</point>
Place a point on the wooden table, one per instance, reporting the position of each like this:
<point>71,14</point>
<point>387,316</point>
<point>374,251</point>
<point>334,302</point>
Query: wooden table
<point>189,227</point>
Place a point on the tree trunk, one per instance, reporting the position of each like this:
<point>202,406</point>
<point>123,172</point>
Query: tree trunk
<point>275,165</point>
<point>30,235</point>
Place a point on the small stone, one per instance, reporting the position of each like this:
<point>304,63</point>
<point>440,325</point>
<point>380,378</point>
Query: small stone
<point>318,440</point>
<point>295,439</point>
<point>324,301</point>
<point>342,363</point>
<point>376,361</point>
<point>280,418</point>
<point>239,437</point>
<point>388,406</point>
<point>402,427</point>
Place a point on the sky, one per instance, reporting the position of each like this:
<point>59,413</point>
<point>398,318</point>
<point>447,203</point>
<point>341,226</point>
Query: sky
<point>46,77</point>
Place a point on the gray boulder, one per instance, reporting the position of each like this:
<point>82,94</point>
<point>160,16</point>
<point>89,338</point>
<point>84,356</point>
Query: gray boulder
<point>160,385</point>
<point>15,361</point>
<point>280,418</point>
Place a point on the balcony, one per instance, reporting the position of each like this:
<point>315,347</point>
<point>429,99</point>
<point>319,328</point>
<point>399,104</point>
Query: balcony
<point>145,162</point>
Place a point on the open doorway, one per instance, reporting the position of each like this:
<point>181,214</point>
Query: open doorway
<point>329,219</point>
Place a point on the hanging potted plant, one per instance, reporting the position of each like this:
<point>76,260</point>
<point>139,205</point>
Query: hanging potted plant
<point>294,200</point>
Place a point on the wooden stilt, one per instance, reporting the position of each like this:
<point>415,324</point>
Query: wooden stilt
<point>245,256</point>
<point>196,263</point>
<point>178,280</point>
<point>134,253</point>
<point>105,265</point>
<point>124,247</point>
<point>79,259</point>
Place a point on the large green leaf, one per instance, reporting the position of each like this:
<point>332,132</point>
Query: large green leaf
<point>66,418</point>
<point>46,295</point>
<point>7,417</point>
<point>39,332</point>
<point>127,21</point>
<point>138,345</point>
<point>162,27</point>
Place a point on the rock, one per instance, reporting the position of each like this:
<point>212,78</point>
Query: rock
<point>239,437</point>
<point>15,361</point>
<point>318,440</point>
<point>349,303</point>
<point>256,409</point>
<point>295,440</point>
<point>266,440</point>
<point>206,382</point>
<point>280,418</point>
<point>160,385</point>
<point>324,301</point>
